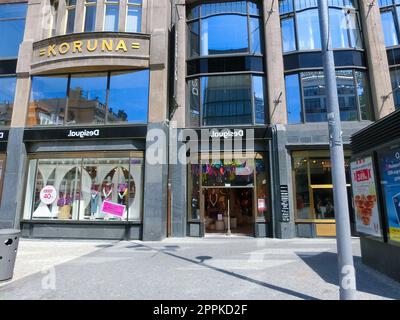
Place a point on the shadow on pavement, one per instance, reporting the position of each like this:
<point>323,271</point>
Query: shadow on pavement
<point>326,266</point>
<point>201,262</point>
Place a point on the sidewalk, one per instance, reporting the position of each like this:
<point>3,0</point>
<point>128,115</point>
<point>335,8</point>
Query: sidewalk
<point>189,268</point>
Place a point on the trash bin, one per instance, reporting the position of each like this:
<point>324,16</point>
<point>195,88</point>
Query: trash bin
<point>9,239</point>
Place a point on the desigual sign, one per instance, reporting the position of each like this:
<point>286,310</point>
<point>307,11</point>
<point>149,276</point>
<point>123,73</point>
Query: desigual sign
<point>88,46</point>
<point>83,133</point>
<point>226,133</point>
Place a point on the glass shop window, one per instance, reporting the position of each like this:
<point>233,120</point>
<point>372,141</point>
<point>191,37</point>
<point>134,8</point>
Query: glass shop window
<point>85,189</point>
<point>313,189</point>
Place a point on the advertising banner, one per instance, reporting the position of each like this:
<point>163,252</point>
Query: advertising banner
<point>364,197</point>
<point>389,163</point>
<point>113,208</point>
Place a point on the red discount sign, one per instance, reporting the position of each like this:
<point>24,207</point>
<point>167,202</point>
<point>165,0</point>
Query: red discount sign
<point>48,195</point>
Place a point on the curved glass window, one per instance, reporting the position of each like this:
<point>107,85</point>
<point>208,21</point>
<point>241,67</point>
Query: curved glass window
<point>224,28</point>
<point>227,100</point>
<point>390,15</point>
<point>93,98</point>
<point>306,96</point>
<point>300,24</point>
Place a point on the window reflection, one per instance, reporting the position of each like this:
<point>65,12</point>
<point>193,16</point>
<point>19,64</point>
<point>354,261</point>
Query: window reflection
<point>353,94</point>
<point>344,24</point>
<point>7,94</point>
<point>87,99</point>
<point>134,16</point>
<point>214,21</point>
<point>226,100</point>
<point>395,78</point>
<point>288,35</point>
<point>90,15</point>
<point>307,29</point>
<point>389,29</point>
<point>112,16</point>
<point>48,100</point>
<point>128,97</point>
<point>12,25</point>
<point>214,38</point>
<point>293,99</point>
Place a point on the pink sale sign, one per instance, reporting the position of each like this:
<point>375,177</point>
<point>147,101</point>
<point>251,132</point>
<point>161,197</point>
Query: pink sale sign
<point>113,208</point>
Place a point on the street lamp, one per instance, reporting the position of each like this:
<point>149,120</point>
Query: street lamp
<point>347,282</point>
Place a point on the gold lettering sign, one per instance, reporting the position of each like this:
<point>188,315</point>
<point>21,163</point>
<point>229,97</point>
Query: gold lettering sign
<point>88,46</point>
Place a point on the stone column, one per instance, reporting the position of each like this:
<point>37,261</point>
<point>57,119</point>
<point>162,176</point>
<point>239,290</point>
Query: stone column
<point>61,17</point>
<point>13,180</point>
<point>274,63</point>
<point>381,89</point>
<point>283,229</point>
<point>123,10</point>
<point>79,16</point>
<point>178,170</point>
<point>100,7</point>
<point>156,174</point>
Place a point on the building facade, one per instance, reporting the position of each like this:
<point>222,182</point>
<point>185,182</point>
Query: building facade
<point>88,87</point>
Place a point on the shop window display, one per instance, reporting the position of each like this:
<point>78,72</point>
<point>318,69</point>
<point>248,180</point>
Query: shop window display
<point>97,189</point>
<point>313,187</point>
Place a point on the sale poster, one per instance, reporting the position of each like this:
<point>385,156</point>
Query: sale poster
<point>112,208</point>
<point>389,163</point>
<point>365,197</point>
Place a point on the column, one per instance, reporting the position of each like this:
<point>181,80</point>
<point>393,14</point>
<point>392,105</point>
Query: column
<point>79,16</point>
<point>274,63</point>
<point>381,89</point>
<point>156,175</point>
<point>13,181</point>
<point>123,9</point>
<point>100,7</point>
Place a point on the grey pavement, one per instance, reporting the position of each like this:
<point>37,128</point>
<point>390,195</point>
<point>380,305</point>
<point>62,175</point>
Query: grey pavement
<point>211,268</point>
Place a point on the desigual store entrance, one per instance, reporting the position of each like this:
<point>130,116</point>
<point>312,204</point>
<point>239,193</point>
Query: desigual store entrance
<point>230,194</point>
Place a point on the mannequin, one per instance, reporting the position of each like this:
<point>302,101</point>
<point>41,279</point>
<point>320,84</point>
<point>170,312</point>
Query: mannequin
<point>122,193</point>
<point>107,195</point>
<point>94,201</point>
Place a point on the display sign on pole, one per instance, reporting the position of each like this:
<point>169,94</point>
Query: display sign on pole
<point>389,164</point>
<point>365,197</point>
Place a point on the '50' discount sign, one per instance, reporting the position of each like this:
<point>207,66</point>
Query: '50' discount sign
<point>48,195</point>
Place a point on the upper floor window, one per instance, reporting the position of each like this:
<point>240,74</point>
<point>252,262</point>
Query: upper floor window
<point>7,92</point>
<point>232,27</point>
<point>111,15</point>
<point>227,100</point>
<point>70,21</point>
<point>300,24</point>
<point>12,26</point>
<point>90,15</point>
<point>395,78</point>
<point>134,16</point>
<point>390,15</point>
<point>89,98</point>
<point>306,96</point>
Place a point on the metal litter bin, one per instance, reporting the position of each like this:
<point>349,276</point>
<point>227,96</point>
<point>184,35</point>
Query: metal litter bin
<point>9,239</point>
